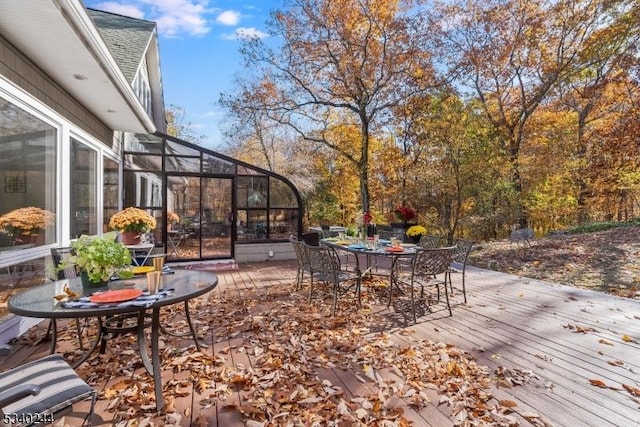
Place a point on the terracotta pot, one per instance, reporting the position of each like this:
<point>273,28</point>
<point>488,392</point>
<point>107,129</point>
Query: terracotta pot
<point>30,239</point>
<point>130,237</point>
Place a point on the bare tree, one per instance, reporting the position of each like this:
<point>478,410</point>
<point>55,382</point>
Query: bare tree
<point>337,63</point>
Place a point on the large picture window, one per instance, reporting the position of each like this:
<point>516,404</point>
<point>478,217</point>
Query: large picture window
<point>27,179</point>
<point>110,195</point>
<point>83,195</point>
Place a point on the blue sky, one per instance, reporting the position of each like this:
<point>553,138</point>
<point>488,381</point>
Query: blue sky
<point>198,49</point>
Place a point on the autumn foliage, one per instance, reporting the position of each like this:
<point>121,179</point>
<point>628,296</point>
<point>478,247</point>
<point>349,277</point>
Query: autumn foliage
<point>518,112</point>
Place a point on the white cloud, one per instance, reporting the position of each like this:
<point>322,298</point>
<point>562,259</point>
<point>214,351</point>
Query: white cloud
<point>174,17</point>
<point>228,17</point>
<point>245,33</point>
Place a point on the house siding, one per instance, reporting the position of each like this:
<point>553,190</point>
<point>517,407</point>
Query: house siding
<point>18,69</point>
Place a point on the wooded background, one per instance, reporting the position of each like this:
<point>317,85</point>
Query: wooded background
<point>480,115</point>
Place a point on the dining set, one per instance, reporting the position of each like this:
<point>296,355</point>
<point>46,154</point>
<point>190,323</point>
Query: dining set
<point>111,305</point>
<point>418,274</point>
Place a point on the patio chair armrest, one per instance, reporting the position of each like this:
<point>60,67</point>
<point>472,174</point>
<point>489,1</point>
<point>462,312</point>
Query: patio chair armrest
<point>5,350</point>
<point>17,393</point>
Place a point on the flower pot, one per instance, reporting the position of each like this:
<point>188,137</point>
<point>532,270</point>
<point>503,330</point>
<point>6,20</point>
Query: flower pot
<point>130,237</point>
<point>88,284</point>
<point>30,239</point>
<point>403,227</point>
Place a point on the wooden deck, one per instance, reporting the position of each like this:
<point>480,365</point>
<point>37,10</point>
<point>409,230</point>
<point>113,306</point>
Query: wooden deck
<point>556,355</point>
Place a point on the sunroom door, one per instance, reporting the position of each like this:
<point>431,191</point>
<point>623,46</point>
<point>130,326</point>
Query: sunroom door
<point>203,206</point>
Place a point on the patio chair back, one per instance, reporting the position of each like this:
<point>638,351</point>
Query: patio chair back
<point>425,268</point>
<point>461,255</point>
<point>62,256</point>
<point>325,265</point>
<point>429,241</point>
<point>302,258</point>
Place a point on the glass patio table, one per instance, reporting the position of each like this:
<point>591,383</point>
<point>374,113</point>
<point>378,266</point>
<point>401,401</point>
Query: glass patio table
<point>394,255</point>
<point>180,286</point>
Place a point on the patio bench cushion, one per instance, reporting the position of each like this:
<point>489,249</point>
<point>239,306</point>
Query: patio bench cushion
<point>60,387</point>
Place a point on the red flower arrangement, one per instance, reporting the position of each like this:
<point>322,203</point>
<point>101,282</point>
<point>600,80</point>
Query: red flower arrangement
<point>404,213</point>
<point>367,217</point>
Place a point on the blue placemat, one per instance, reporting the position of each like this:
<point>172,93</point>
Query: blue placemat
<point>356,246</point>
<point>144,300</point>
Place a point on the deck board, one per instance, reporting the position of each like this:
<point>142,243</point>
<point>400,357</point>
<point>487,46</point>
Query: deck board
<point>509,321</point>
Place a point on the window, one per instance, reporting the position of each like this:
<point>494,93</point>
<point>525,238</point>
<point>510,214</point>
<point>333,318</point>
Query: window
<point>83,190</point>
<point>110,195</point>
<point>142,88</point>
<point>27,178</point>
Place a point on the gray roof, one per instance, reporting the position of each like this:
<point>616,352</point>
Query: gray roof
<point>127,39</point>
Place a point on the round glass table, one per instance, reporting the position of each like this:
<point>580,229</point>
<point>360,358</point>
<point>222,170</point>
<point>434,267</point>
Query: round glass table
<point>180,286</point>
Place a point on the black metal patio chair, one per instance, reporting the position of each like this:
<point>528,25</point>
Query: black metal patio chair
<point>324,264</point>
<point>299,247</point>
<point>426,267</point>
<point>460,257</point>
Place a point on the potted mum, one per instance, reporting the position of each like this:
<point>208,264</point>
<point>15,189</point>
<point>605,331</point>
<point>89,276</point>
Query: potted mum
<point>26,224</point>
<point>131,222</point>
<point>99,258</point>
<point>172,218</point>
<point>415,232</point>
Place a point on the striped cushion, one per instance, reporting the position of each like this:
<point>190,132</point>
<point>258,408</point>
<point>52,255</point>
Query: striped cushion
<point>60,386</point>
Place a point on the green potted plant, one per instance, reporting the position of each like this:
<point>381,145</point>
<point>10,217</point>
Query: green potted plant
<point>100,257</point>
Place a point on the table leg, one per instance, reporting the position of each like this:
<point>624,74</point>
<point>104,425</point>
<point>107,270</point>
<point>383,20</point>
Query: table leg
<point>155,353</point>
<point>393,279</point>
<point>191,327</point>
<point>151,365</point>
<point>93,346</point>
<point>142,344</point>
<point>54,335</point>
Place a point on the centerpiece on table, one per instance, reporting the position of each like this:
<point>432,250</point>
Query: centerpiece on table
<point>26,225</point>
<point>415,232</point>
<point>99,258</point>
<point>364,224</point>
<point>131,223</point>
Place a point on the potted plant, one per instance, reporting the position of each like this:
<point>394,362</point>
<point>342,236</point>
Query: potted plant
<point>131,222</point>
<point>172,218</point>
<point>26,224</point>
<point>404,214</point>
<point>99,258</point>
<point>415,232</point>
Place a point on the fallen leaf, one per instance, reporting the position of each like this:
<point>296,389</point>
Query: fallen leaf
<point>633,390</point>
<point>508,403</point>
<point>598,383</point>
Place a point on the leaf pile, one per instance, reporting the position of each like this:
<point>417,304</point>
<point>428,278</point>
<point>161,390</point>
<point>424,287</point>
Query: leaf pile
<point>272,354</point>
<point>604,261</point>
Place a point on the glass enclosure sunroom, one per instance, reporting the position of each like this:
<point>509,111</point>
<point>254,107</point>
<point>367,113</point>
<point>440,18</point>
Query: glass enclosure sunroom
<point>207,205</point>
